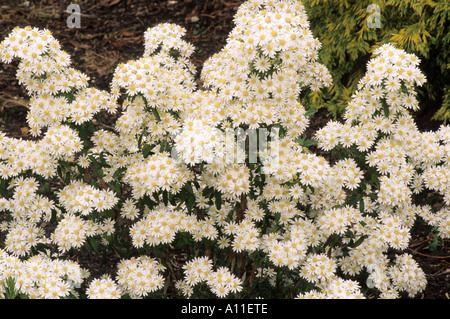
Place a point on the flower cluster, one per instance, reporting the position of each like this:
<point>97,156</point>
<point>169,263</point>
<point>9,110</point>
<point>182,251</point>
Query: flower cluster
<point>139,276</point>
<point>161,225</point>
<point>200,269</point>
<point>337,288</point>
<point>27,210</point>
<point>17,156</point>
<point>47,110</point>
<point>269,56</point>
<point>400,160</point>
<point>72,232</point>
<point>41,277</point>
<point>290,251</point>
<point>161,80</point>
<point>378,122</point>
<point>45,72</point>
<point>44,67</point>
<point>81,198</point>
<point>155,173</point>
<point>104,288</point>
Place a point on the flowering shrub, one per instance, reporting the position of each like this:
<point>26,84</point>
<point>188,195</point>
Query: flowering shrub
<point>222,173</point>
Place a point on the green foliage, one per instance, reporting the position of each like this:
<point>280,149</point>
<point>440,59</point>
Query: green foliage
<point>11,291</point>
<point>416,26</point>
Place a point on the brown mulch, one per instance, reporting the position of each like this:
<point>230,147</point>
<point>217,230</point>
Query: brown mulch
<point>112,31</point>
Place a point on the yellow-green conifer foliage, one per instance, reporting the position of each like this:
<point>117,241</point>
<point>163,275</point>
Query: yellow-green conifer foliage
<point>349,33</point>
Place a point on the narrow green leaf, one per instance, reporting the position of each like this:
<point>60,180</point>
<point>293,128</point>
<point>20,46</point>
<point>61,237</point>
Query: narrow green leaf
<point>358,242</point>
<point>434,243</point>
<point>172,199</point>
<point>147,150</point>
<point>118,173</point>
<point>165,198</point>
<point>156,114</point>
<point>308,143</point>
<point>190,202</point>
<point>385,107</point>
<point>218,200</point>
<point>188,187</point>
<point>311,112</point>
<point>302,141</point>
<point>93,243</point>
<point>361,205</point>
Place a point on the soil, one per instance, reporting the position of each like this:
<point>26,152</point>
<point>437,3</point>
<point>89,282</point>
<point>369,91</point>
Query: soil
<point>112,31</point>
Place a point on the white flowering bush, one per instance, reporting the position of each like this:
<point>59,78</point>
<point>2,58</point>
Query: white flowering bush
<point>221,174</point>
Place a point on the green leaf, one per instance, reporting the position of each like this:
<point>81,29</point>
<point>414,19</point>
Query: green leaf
<point>118,173</point>
<point>385,107</point>
<point>274,229</point>
<point>302,141</point>
<point>156,114</point>
<point>183,240</point>
<point>404,89</point>
<point>434,243</point>
<point>45,188</point>
<point>311,112</point>
<point>218,200</point>
<point>139,140</point>
<point>157,252</point>
<point>10,290</point>
<point>190,202</point>
<point>103,159</point>
<point>188,187</point>
<point>165,198</point>
<point>147,150</point>
<point>208,192</point>
<point>117,189</point>
<point>172,199</point>
<point>90,126</point>
<point>358,242</point>
<point>308,143</point>
<point>334,239</point>
<point>109,213</point>
<point>93,244</point>
<point>164,146</point>
<point>4,187</point>
<point>361,205</point>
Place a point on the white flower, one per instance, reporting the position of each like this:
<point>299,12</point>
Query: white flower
<point>198,142</point>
